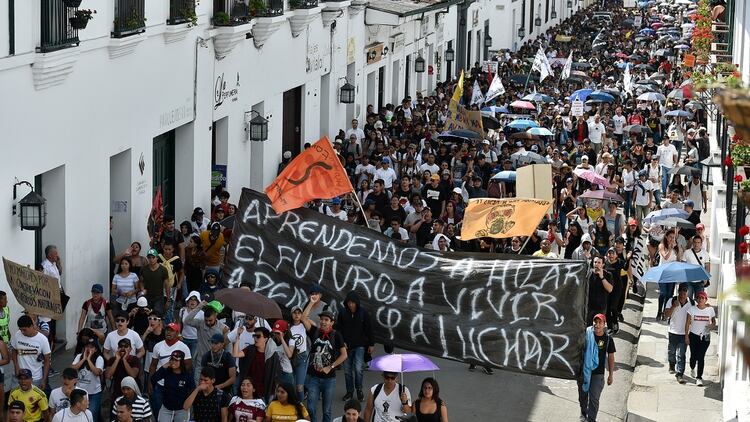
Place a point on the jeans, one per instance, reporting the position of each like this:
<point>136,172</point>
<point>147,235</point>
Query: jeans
<point>157,398</point>
<point>192,344</point>
<point>641,211</point>
<point>628,206</point>
<point>666,291</point>
<point>197,371</point>
<point>676,352</point>
<point>166,415</point>
<point>589,401</point>
<point>353,367</point>
<point>664,178</point>
<point>299,368</point>
<point>315,387</point>
<point>563,222</point>
<point>95,405</point>
<point>698,348</point>
<point>695,288</point>
<point>657,197</point>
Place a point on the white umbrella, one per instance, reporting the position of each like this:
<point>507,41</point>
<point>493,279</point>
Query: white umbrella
<point>651,96</point>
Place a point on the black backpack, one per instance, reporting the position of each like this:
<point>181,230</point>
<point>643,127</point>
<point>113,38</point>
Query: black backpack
<point>380,387</point>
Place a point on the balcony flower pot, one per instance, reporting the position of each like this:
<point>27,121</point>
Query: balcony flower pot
<point>72,3</point>
<point>744,197</point>
<point>78,23</point>
<point>735,104</point>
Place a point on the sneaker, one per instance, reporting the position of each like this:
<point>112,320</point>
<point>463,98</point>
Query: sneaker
<point>692,372</point>
<point>658,316</point>
<point>583,418</point>
<point>699,382</point>
<point>487,370</point>
<point>680,379</point>
<point>671,368</point>
<point>472,367</point>
<point>360,395</point>
<point>616,328</point>
<point>347,396</point>
<point>621,318</point>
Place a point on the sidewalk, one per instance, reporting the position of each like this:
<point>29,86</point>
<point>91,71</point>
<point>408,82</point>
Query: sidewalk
<point>655,394</point>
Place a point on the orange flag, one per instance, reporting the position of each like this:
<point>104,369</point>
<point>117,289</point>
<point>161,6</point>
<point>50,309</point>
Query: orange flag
<point>315,173</point>
<point>501,218</point>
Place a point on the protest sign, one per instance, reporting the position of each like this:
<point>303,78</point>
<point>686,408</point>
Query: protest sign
<point>532,181</point>
<point>35,291</point>
<point>462,118</point>
<point>522,315</point>
<point>576,108</point>
<point>489,66</point>
<point>639,262</point>
<point>688,60</point>
<point>502,217</point>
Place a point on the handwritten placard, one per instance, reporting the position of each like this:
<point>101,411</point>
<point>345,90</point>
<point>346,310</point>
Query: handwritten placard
<point>523,315</point>
<point>461,118</point>
<point>37,292</point>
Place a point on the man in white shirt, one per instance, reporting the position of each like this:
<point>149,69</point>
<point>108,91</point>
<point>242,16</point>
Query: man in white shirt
<point>78,410</point>
<point>597,133</point>
<point>52,266</point>
<point>643,191</point>
<point>28,345</point>
<point>667,159</point>
<point>697,256</point>
<point>364,170</point>
<point>430,165</point>
<point>335,210</point>
<point>386,173</point>
<point>387,400</point>
<point>677,314</point>
<point>697,194</point>
<point>618,122</point>
<point>122,331</point>
<point>355,130</point>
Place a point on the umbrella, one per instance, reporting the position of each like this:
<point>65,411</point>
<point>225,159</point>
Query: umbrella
<point>591,177</point>
<point>676,222</point>
<point>540,131</point>
<point>495,109</point>
<point>685,170</point>
<point>612,91</point>
<point>489,122</point>
<point>663,214</point>
<point>523,104</point>
<point>651,96</point>
<point>581,65</point>
<point>678,113</point>
<point>577,74</point>
<point>249,302</point>
<point>522,124</point>
<point>602,194</point>
<point>505,176</point>
<point>647,31</point>
<point>522,135</point>
<point>680,93</point>
<point>644,66</point>
<point>636,129</point>
<point>538,98</point>
<point>695,104</point>
<point>621,55</point>
<point>602,96</point>
<point>675,272</point>
<point>528,157</point>
<point>463,133</point>
<point>581,94</point>
<point>657,25</point>
<point>402,362</point>
<point>521,79</point>
<point>681,47</point>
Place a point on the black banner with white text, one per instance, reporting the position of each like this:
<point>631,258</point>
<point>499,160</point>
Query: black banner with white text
<point>524,315</point>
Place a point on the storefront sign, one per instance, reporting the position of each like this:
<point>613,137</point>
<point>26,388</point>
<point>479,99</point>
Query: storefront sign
<point>224,92</point>
<point>218,176</point>
<point>522,315</point>
<point>35,291</point>
<point>375,53</point>
<point>398,42</point>
<point>181,114</point>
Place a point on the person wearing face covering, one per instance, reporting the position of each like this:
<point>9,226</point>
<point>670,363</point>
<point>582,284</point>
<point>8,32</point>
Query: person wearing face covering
<point>441,243</point>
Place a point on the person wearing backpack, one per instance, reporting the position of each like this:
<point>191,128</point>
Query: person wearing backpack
<point>677,315</point>
<point>173,264</point>
<point>387,400</point>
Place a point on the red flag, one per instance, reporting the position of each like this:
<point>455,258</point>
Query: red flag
<point>156,216</point>
<point>315,173</point>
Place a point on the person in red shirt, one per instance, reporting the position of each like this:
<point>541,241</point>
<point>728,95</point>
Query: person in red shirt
<point>244,407</point>
<point>636,119</point>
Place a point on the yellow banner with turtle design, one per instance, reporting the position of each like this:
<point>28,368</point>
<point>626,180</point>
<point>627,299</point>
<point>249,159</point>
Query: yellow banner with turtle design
<point>502,218</point>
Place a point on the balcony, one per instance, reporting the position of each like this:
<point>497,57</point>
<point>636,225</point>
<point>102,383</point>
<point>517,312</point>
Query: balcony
<point>230,13</point>
<point>56,30</point>
<point>129,18</point>
<point>182,11</point>
<point>303,4</point>
<point>266,8</point>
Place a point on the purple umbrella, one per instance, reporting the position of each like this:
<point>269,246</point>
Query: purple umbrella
<point>591,177</point>
<point>402,362</point>
<point>602,194</point>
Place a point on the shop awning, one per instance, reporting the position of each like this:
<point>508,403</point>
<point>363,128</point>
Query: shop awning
<point>396,12</point>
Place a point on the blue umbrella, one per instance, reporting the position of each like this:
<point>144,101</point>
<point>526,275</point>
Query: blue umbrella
<point>648,31</point>
<point>505,176</point>
<point>522,124</point>
<point>678,113</point>
<point>602,96</point>
<point>495,109</point>
<point>663,214</point>
<point>581,94</point>
<point>540,131</point>
<point>676,272</point>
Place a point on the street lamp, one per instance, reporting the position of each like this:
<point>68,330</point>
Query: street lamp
<point>553,14</point>
<point>570,4</point>
<point>419,64</point>
<point>346,94</point>
<point>707,167</point>
<point>487,41</point>
<point>521,32</point>
<point>257,126</point>
<point>32,209</point>
<point>538,21</point>
<point>450,55</point>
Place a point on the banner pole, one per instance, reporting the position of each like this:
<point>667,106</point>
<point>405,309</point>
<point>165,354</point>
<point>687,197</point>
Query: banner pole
<point>361,208</point>
<point>524,245</point>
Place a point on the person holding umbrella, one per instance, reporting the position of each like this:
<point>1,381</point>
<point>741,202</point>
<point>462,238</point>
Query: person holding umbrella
<point>387,400</point>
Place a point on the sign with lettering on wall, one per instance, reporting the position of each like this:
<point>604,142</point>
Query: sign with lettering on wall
<point>523,315</point>
<point>375,53</point>
<point>34,290</point>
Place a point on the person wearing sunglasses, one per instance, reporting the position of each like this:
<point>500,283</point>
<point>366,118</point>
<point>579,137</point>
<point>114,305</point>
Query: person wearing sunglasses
<point>123,332</point>
<point>263,376</point>
<point>383,405</point>
<point>154,334</point>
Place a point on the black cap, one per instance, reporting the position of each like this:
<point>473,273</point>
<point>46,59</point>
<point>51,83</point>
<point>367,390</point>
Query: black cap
<point>215,226</point>
<point>198,210</point>
<point>17,405</point>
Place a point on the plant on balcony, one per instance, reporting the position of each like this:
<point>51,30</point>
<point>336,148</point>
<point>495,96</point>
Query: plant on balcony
<point>221,19</point>
<point>81,18</point>
<point>295,4</point>
<point>188,13</point>
<point>702,34</point>
<point>257,7</point>
<point>740,154</point>
<point>132,23</point>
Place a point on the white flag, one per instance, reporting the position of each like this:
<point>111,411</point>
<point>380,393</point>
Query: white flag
<point>568,66</point>
<point>496,89</point>
<point>541,64</point>
<point>476,95</point>
<point>627,79</point>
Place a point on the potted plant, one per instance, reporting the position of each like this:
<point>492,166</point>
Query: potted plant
<point>72,3</point>
<point>81,18</point>
<point>257,7</point>
<point>734,102</point>
<point>221,19</point>
<point>188,13</point>
<point>743,190</point>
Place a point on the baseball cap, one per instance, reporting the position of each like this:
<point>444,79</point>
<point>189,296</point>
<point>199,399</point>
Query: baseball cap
<point>17,405</point>
<point>584,157</point>
<point>152,252</point>
<point>689,203</point>
<point>296,308</point>
<point>215,226</point>
<point>457,190</point>
<point>601,317</point>
<point>97,288</point>
<point>280,326</point>
<point>486,142</point>
<point>174,327</point>
<point>178,354</point>
<point>435,177</point>
<point>198,210</point>
<point>386,160</point>
<point>217,338</point>
<point>336,201</point>
<point>633,222</point>
<point>142,302</point>
<point>315,288</point>
<point>700,226</point>
<point>326,313</point>
<point>24,373</point>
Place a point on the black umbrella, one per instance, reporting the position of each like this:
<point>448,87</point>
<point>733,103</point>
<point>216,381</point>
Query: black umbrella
<point>249,302</point>
<point>581,65</point>
<point>685,170</point>
<point>644,66</point>
<point>489,122</point>
<point>636,129</point>
<point>523,135</point>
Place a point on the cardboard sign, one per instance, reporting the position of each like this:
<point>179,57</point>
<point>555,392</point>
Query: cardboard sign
<point>688,60</point>
<point>464,119</point>
<point>535,181</point>
<point>576,108</point>
<point>637,21</point>
<point>36,291</point>
<point>489,66</point>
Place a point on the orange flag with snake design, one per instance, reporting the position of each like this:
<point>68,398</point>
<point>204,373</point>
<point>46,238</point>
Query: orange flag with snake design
<point>315,173</point>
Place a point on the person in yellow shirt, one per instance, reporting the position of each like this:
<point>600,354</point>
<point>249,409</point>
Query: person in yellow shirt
<point>213,244</point>
<point>287,406</point>
<point>34,399</point>
<point>546,250</point>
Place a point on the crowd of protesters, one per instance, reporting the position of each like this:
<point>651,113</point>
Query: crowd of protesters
<point>162,348</point>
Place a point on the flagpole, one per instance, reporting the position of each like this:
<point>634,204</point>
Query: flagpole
<point>524,245</point>
<point>361,208</point>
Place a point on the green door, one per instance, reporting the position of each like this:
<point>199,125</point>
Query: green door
<point>164,169</point>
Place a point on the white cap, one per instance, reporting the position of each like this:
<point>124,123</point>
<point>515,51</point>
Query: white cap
<point>584,157</point>
<point>457,190</point>
<point>142,302</point>
<point>486,142</point>
<point>586,238</point>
